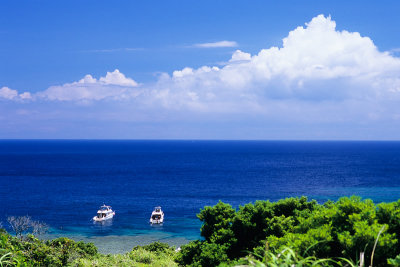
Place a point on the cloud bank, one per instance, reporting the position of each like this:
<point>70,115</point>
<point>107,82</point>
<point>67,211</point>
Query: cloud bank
<point>318,75</point>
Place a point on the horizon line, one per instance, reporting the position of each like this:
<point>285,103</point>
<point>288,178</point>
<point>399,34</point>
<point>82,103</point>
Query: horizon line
<point>176,139</point>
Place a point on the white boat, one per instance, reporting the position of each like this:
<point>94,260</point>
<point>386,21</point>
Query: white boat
<point>157,216</point>
<point>104,213</point>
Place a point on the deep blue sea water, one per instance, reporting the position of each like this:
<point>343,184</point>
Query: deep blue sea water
<point>63,182</point>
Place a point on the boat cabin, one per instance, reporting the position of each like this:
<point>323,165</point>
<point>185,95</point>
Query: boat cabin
<point>156,216</point>
<point>105,208</point>
<point>103,211</point>
<point>157,209</point>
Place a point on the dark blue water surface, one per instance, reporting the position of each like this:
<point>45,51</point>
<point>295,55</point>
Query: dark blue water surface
<point>64,182</point>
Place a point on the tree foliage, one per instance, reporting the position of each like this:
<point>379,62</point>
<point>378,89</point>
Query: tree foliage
<point>334,229</point>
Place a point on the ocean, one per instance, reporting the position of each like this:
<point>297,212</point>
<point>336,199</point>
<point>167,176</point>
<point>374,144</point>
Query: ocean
<point>63,182</point>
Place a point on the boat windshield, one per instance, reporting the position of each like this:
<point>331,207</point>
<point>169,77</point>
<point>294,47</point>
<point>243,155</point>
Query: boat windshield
<point>156,217</point>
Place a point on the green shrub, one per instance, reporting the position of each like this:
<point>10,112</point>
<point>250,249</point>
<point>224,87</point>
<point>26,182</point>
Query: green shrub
<point>395,261</point>
<point>86,249</point>
<point>158,248</point>
<point>202,253</point>
<point>143,256</point>
<point>189,253</point>
<point>288,258</point>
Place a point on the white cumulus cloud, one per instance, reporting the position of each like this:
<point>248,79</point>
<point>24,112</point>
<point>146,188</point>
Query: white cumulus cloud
<point>8,93</point>
<point>11,94</point>
<point>115,85</point>
<point>315,63</point>
<point>117,78</point>
<point>240,56</point>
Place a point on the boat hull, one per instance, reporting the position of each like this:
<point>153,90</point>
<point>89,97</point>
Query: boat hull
<point>97,219</point>
<point>156,221</point>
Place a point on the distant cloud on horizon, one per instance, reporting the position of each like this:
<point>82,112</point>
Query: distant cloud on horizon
<point>216,44</point>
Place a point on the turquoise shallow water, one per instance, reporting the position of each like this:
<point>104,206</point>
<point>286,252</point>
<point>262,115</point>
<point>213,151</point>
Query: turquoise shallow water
<point>112,244</point>
<point>64,182</point>
<point>109,241</point>
<point>128,238</point>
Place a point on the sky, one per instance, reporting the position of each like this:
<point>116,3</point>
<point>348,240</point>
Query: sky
<point>245,70</point>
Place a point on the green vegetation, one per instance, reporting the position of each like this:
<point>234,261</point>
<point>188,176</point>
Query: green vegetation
<point>290,232</point>
<point>139,256</point>
<point>31,251</point>
<point>332,231</point>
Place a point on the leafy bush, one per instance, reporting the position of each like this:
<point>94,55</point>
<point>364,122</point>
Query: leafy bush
<point>143,256</point>
<point>157,247</point>
<point>31,251</point>
<point>395,261</point>
<point>204,253</point>
<point>288,258</point>
<point>88,249</point>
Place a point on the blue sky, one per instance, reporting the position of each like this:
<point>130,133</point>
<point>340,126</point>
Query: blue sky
<point>200,69</point>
